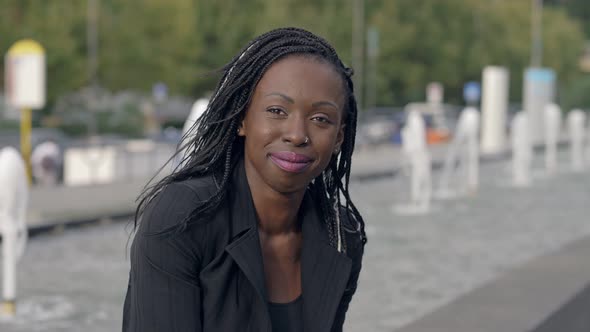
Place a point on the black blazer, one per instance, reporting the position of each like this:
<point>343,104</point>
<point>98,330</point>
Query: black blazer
<point>211,277</point>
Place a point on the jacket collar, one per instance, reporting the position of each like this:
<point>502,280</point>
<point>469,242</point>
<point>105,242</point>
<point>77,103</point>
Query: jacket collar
<point>241,202</point>
<point>245,243</point>
<point>324,270</point>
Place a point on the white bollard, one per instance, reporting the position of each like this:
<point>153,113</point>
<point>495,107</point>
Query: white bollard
<point>416,151</point>
<point>522,150</point>
<point>198,108</point>
<point>494,107</point>
<point>538,91</point>
<point>189,130</point>
<point>14,192</point>
<point>471,153</point>
<point>464,150</point>
<point>552,128</point>
<point>576,124</point>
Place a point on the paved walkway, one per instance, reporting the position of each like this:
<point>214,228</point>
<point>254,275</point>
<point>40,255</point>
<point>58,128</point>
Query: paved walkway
<point>75,281</point>
<point>415,264</point>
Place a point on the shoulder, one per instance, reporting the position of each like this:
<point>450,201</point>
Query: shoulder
<point>175,202</point>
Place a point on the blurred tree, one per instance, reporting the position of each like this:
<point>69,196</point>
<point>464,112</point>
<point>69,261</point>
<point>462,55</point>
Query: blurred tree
<point>223,28</point>
<point>575,95</point>
<point>563,44</point>
<point>149,41</point>
<point>451,41</point>
<point>331,19</point>
<point>579,9</point>
<point>178,41</point>
<point>53,24</point>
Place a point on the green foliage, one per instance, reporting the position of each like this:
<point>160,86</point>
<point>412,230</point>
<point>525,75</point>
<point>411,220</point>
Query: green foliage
<point>144,42</point>
<point>128,122</point>
<point>576,94</point>
<point>579,9</point>
<point>56,25</point>
<point>178,42</point>
<point>451,41</point>
<point>9,125</point>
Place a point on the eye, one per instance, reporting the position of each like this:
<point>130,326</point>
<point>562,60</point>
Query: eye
<point>276,111</point>
<point>322,119</point>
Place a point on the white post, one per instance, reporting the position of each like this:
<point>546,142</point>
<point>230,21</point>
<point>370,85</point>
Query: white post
<point>188,130</point>
<point>538,91</point>
<point>414,146</point>
<point>522,153</point>
<point>13,205</point>
<point>463,149</point>
<point>552,128</point>
<point>471,126</point>
<point>198,108</point>
<point>494,109</point>
<point>9,269</point>
<point>576,124</point>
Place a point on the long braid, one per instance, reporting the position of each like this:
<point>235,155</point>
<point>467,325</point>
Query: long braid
<point>211,146</point>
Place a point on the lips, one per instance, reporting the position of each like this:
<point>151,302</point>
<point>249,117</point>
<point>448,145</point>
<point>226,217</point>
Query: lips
<point>290,161</point>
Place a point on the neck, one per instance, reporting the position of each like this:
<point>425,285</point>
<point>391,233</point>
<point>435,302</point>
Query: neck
<point>277,212</point>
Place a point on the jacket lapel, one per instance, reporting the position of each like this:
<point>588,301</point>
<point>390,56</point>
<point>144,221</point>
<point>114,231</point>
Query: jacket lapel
<point>324,272</point>
<point>245,245</point>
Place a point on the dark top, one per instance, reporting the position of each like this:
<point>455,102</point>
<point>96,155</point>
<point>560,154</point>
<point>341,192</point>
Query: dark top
<point>210,277</point>
<point>286,317</point>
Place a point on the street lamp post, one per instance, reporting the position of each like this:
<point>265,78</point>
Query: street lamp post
<point>536,33</point>
<point>358,32</point>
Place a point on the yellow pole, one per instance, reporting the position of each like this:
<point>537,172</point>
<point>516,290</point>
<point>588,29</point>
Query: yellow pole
<point>8,308</point>
<point>25,139</point>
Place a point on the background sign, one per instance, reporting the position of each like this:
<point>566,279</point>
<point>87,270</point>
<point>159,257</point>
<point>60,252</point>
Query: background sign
<point>472,92</point>
<point>25,75</point>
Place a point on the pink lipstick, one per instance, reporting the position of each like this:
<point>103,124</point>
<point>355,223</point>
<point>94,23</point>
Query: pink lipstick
<point>290,161</point>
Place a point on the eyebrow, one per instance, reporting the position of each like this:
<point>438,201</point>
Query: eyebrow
<point>324,103</point>
<point>287,98</point>
<point>291,101</point>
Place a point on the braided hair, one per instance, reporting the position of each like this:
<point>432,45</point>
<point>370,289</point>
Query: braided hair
<point>212,145</point>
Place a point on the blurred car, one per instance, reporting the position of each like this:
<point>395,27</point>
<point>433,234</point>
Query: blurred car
<point>378,131</point>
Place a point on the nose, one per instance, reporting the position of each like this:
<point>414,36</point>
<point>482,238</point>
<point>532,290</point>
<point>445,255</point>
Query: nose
<point>295,131</point>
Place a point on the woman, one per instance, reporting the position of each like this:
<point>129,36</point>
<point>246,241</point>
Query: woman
<point>255,230</point>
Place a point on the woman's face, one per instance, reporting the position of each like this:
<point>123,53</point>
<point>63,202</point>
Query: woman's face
<point>293,125</point>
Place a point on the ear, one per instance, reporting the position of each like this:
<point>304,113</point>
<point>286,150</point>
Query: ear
<point>241,129</point>
<point>339,139</point>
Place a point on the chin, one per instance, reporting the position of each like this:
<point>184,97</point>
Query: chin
<point>289,187</point>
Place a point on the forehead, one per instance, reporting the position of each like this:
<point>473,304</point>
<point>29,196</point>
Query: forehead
<point>302,76</point>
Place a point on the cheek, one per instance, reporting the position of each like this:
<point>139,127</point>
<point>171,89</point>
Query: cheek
<point>326,142</point>
<point>259,135</point>
<point>265,134</point>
